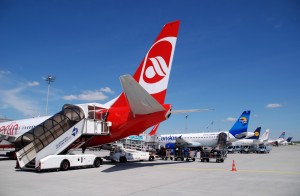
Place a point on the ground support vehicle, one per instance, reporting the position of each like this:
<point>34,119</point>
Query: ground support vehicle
<point>218,155</point>
<point>121,154</point>
<point>184,153</point>
<point>48,145</point>
<point>264,149</point>
<point>245,149</point>
<point>64,162</point>
<point>229,149</point>
<point>165,153</point>
<point>237,149</point>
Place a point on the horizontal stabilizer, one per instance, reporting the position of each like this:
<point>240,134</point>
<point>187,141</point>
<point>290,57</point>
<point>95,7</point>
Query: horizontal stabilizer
<point>190,111</point>
<point>140,101</point>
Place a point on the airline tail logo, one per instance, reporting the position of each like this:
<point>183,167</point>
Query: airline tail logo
<point>157,65</point>
<point>282,135</point>
<point>243,120</point>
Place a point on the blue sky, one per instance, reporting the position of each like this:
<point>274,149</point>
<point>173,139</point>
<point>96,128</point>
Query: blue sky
<point>230,55</point>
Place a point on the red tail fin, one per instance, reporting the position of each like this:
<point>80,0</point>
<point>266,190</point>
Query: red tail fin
<point>154,70</point>
<point>153,131</point>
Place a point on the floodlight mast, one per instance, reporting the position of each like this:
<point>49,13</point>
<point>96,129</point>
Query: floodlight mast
<point>49,79</point>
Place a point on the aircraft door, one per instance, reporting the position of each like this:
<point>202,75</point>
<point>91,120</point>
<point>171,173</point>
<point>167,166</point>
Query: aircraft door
<point>222,138</point>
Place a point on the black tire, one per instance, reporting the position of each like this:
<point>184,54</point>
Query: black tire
<point>194,159</point>
<point>123,159</point>
<point>97,162</point>
<point>151,158</point>
<point>65,165</point>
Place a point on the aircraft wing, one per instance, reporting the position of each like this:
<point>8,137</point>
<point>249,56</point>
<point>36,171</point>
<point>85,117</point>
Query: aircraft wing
<point>185,143</point>
<point>140,101</point>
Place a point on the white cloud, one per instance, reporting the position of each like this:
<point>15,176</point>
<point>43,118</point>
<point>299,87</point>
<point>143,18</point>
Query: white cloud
<point>13,99</point>
<point>4,72</point>
<point>273,105</point>
<point>18,97</point>
<point>70,97</point>
<point>230,119</point>
<point>87,96</point>
<point>35,83</point>
<point>107,90</point>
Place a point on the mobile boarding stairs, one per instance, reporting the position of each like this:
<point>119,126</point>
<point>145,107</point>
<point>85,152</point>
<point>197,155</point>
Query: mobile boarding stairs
<point>71,128</point>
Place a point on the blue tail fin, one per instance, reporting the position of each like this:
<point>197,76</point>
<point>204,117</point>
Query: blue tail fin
<point>256,134</point>
<point>239,129</point>
<point>289,139</point>
<point>282,135</point>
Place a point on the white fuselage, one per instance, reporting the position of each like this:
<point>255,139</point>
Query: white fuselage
<point>203,139</point>
<point>247,142</point>
<point>18,127</point>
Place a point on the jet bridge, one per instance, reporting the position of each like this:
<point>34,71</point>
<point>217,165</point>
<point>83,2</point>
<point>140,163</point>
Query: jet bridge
<point>73,127</point>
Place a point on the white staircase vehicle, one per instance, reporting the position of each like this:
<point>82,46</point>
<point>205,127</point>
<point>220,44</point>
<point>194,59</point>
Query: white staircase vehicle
<point>72,127</point>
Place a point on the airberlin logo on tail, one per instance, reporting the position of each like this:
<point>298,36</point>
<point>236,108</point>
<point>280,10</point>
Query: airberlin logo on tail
<point>157,71</point>
<point>157,65</point>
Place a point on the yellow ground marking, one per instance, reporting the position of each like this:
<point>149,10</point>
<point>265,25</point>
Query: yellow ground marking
<point>220,169</point>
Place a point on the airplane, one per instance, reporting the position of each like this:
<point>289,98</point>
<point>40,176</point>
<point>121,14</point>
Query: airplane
<point>288,141</point>
<point>238,131</point>
<point>278,141</point>
<point>10,130</point>
<point>255,140</point>
<point>140,106</point>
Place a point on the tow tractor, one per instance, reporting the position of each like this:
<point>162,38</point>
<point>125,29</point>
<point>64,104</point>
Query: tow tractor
<point>121,154</point>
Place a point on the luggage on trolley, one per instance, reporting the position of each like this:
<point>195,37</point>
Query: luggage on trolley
<point>219,155</point>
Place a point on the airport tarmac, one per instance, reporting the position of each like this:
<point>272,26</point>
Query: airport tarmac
<point>277,173</point>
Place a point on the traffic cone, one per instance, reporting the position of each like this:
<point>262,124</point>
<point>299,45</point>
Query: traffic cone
<point>233,166</point>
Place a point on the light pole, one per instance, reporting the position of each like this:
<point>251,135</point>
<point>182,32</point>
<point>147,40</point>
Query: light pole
<point>49,79</point>
<point>186,117</point>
